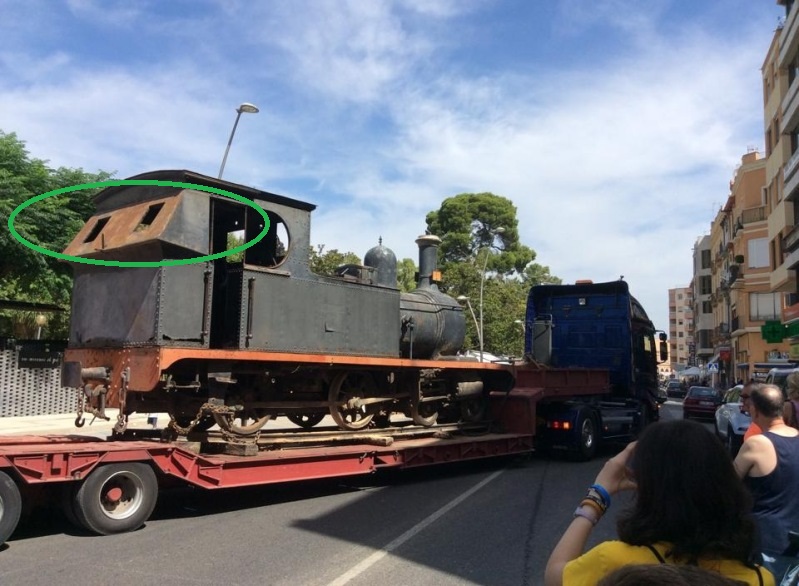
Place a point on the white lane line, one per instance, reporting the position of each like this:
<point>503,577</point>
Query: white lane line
<point>380,554</point>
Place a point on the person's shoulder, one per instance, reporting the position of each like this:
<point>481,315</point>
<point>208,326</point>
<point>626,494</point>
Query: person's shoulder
<point>738,571</point>
<point>633,553</point>
<point>605,557</point>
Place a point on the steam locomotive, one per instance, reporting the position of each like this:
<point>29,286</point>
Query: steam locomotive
<point>237,342</point>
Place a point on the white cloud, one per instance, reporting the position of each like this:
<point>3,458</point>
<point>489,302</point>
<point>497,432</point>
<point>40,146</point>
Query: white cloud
<point>369,110</point>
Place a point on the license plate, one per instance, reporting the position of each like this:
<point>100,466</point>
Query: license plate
<point>706,403</point>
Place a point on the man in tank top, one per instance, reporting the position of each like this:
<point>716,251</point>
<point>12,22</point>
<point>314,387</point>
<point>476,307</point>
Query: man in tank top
<point>769,464</point>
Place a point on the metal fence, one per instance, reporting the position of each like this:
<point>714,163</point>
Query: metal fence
<point>30,379</point>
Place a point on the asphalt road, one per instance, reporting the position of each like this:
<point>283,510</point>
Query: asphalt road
<point>489,523</point>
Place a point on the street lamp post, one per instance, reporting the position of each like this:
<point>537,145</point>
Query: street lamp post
<point>482,284</point>
<point>40,320</point>
<point>463,298</point>
<point>249,109</point>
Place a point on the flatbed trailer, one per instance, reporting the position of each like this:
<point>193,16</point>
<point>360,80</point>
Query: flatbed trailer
<point>111,486</point>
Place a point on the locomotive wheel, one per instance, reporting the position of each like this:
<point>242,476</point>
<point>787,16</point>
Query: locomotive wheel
<point>247,422</point>
<point>344,388</point>
<point>423,413</point>
<point>306,420</point>
<point>10,506</point>
<point>473,410</point>
<point>116,498</point>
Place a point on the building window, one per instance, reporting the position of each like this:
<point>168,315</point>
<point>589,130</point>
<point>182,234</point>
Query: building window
<point>764,306</point>
<point>705,259</point>
<point>707,307</point>
<point>758,253</point>
<point>705,285</point>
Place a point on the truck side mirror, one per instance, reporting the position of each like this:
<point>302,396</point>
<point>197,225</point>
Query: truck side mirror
<point>664,350</point>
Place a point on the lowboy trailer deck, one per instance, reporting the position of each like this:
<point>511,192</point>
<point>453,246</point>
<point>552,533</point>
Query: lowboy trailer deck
<point>111,486</point>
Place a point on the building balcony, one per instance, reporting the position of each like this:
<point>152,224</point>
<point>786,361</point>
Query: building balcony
<point>791,189</point>
<point>790,109</point>
<point>789,39</point>
<point>790,242</point>
<point>791,166</point>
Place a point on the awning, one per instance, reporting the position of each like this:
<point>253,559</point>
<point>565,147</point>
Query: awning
<point>693,371</point>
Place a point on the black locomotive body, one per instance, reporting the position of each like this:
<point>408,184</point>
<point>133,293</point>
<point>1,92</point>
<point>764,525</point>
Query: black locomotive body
<point>236,342</point>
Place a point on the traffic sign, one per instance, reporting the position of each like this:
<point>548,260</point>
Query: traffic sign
<point>712,368</point>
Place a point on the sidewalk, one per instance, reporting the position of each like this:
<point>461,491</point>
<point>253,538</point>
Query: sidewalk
<point>64,424</point>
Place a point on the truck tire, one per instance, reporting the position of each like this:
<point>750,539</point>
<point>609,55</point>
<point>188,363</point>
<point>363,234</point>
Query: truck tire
<point>116,498</point>
<point>587,435</point>
<point>10,506</point>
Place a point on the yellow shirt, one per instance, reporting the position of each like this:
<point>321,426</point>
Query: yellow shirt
<point>600,561</point>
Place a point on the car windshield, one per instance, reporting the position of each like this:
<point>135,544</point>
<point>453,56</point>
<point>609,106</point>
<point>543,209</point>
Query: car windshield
<point>702,392</point>
<point>733,395</point>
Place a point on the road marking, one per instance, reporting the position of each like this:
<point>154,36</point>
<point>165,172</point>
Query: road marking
<point>380,554</point>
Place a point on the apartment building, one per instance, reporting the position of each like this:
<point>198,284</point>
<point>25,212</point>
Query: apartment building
<point>781,97</point>
<point>753,246</point>
<point>682,351</point>
<point>701,285</point>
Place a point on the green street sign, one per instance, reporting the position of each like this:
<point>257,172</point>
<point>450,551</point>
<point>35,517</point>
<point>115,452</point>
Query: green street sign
<point>773,332</point>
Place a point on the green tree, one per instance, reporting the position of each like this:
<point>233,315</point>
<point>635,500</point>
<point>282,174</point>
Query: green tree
<point>326,263</point>
<point>27,275</point>
<point>480,250</point>
<point>406,275</point>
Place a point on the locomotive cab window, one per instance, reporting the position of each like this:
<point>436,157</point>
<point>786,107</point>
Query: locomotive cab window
<point>270,251</point>
<point>234,224</point>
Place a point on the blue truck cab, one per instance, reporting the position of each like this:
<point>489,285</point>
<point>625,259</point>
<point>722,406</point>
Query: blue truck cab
<point>595,325</point>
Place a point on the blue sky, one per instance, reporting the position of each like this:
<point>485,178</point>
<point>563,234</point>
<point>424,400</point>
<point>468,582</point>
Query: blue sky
<point>614,126</point>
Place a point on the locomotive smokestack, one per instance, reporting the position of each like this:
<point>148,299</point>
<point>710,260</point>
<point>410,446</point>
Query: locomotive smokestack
<point>428,261</point>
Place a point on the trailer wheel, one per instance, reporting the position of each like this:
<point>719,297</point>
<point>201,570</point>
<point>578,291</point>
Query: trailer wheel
<point>587,437</point>
<point>10,506</point>
<point>116,498</point>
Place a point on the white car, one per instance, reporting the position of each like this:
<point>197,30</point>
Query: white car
<point>731,422</point>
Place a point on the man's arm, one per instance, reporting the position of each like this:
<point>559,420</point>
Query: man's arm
<point>747,457</point>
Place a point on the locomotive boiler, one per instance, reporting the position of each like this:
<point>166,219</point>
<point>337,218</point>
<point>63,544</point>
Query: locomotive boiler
<point>237,341</point>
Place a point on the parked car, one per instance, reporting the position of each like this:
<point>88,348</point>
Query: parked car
<point>675,388</point>
<point>731,422</point>
<point>701,402</point>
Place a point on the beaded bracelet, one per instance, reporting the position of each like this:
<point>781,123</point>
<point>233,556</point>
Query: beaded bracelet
<point>586,514</point>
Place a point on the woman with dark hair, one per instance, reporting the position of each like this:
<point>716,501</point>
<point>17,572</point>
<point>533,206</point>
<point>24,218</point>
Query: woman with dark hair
<point>690,507</point>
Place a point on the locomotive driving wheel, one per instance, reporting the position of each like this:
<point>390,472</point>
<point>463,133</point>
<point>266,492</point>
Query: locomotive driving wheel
<point>345,391</point>
<point>424,413</point>
<point>246,421</point>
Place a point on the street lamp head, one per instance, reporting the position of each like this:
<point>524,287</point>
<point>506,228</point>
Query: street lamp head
<point>40,319</point>
<point>461,298</point>
<point>248,108</point>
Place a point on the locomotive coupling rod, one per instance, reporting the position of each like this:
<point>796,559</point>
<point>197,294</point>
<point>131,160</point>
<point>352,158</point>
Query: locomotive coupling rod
<point>357,402</point>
